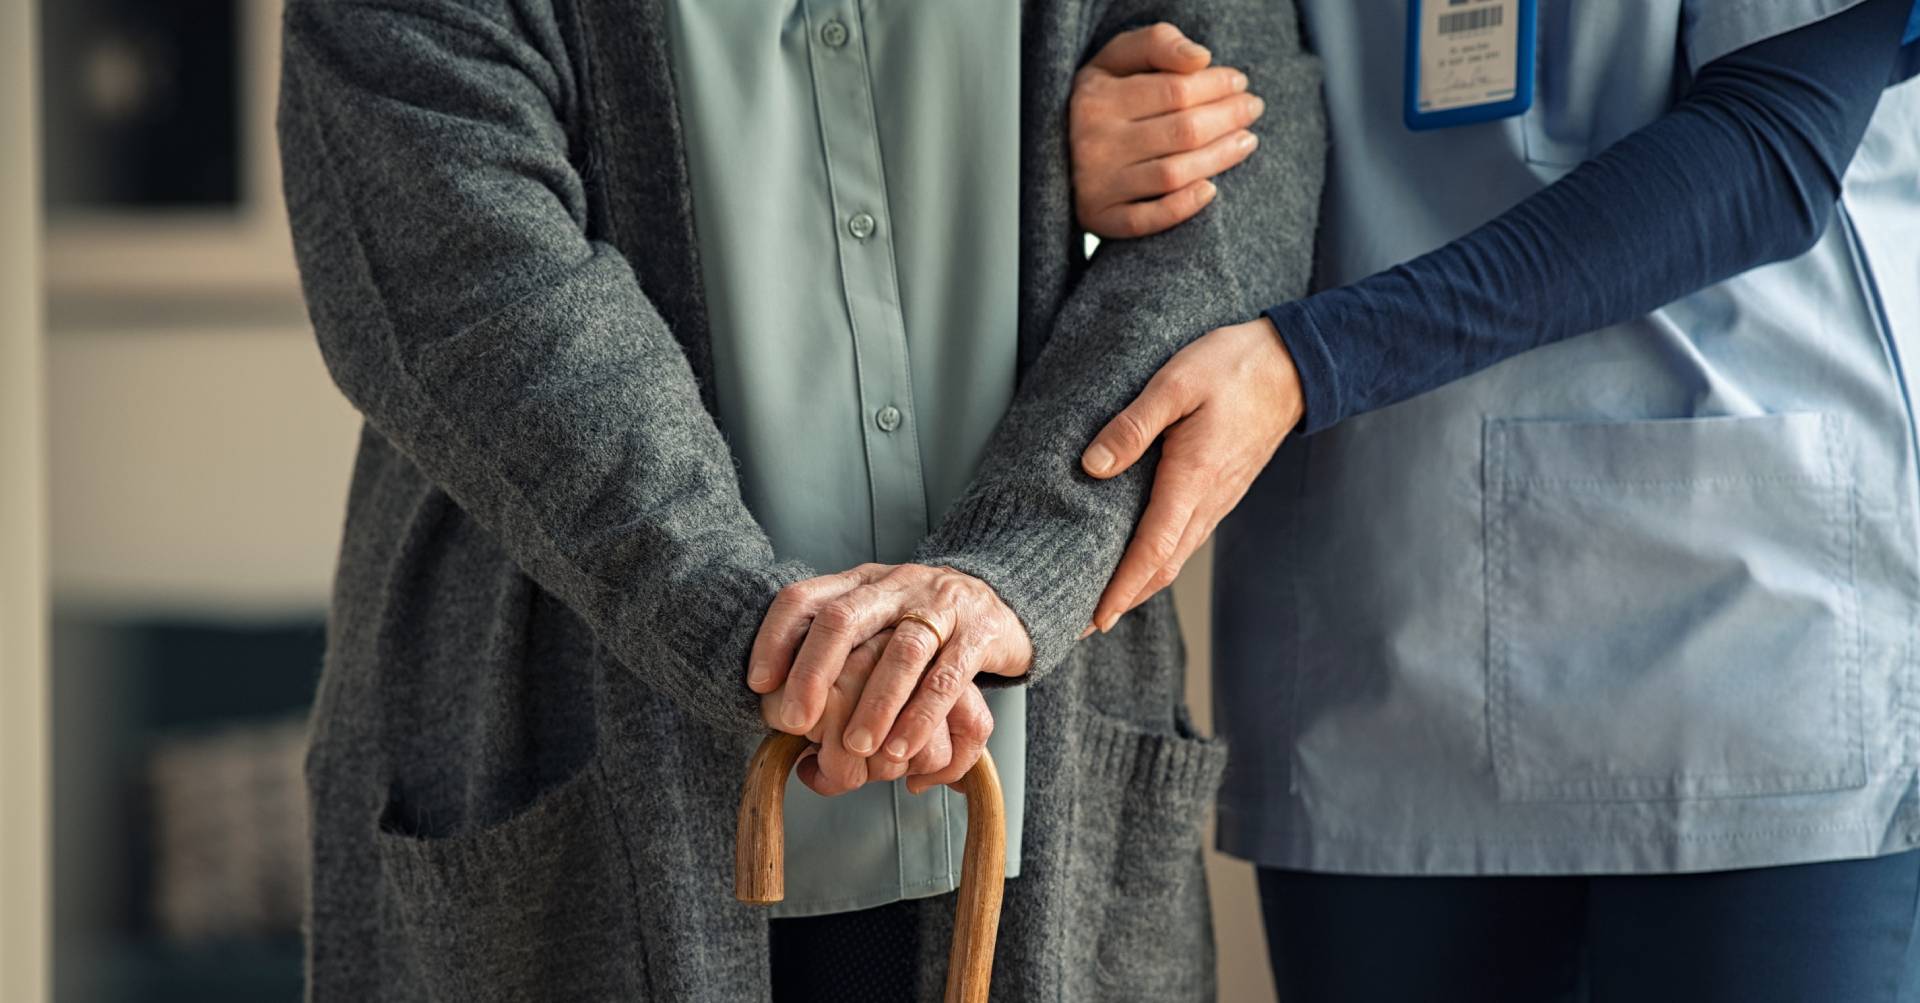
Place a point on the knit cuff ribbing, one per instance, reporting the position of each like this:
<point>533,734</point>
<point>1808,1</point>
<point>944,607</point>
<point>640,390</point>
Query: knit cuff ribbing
<point>994,538</point>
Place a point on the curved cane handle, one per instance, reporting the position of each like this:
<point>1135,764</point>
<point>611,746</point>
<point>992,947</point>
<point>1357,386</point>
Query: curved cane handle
<point>759,857</point>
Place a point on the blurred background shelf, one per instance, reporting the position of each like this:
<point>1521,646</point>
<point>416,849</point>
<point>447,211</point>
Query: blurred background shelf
<point>157,973</point>
<point>198,464</point>
<point>225,702</point>
<point>162,178</point>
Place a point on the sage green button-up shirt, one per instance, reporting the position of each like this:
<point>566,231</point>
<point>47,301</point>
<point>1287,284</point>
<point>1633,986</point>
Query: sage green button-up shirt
<point>855,172</point>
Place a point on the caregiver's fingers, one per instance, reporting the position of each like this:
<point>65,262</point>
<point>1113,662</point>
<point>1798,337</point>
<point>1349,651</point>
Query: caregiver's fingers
<point>1171,173</point>
<point>1116,163</point>
<point>787,619</point>
<point>1159,46</point>
<point>969,725</point>
<point>1126,220</point>
<point>1199,530</point>
<point>1168,397</point>
<point>1145,95</point>
<point>1120,444</point>
<point>1111,136</point>
<point>1178,489</point>
<point>1190,128</point>
<point>1209,458</point>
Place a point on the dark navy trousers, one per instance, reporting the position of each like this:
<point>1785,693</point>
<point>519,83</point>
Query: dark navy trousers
<point>1841,932</point>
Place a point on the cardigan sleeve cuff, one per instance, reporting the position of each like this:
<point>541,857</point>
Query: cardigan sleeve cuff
<point>704,629</point>
<point>1039,572</point>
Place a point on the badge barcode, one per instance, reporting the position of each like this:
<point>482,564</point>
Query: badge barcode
<point>1471,20</point>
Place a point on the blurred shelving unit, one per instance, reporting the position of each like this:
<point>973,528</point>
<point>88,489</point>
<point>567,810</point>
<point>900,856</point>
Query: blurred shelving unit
<point>128,692</point>
<point>197,473</point>
<point>163,186</point>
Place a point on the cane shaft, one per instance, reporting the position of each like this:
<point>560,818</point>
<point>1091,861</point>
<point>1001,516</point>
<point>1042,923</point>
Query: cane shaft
<point>759,857</point>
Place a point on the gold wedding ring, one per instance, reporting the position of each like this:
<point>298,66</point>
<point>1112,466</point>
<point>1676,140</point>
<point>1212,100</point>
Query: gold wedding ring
<point>924,620</point>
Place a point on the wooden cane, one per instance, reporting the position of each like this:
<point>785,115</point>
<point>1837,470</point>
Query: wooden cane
<point>759,857</point>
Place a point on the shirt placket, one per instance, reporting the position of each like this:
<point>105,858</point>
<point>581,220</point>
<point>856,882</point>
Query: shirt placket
<point>850,142</point>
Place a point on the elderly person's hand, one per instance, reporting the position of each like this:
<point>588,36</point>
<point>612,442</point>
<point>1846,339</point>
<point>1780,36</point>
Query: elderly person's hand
<point>946,627</point>
<point>1224,403</point>
<point>1148,124</point>
<point>829,769</point>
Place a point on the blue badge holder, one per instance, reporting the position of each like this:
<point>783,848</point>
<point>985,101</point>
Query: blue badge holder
<point>1524,41</point>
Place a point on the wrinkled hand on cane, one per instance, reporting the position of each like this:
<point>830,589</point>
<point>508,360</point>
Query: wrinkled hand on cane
<point>759,858</point>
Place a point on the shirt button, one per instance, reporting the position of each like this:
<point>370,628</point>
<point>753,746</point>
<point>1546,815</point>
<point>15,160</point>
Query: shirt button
<point>888,418</point>
<point>860,225</point>
<point>834,34</point>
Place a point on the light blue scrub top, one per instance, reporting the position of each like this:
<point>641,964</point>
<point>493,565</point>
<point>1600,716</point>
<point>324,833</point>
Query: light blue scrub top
<point>1642,601</point>
<point>855,174</point>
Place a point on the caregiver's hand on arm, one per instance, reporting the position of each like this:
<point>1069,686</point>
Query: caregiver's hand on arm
<point>1032,523</point>
<point>811,647</point>
<point>1743,171</point>
<point>1150,122</point>
<point>1224,403</point>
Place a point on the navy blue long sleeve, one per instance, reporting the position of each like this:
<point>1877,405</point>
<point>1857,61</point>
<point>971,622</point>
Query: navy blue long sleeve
<point>1742,172</point>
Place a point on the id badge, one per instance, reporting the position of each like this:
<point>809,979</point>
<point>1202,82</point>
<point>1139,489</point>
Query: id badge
<point>1468,61</point>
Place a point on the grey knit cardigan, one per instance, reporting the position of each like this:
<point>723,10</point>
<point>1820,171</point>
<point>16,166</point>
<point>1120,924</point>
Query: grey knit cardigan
<point>531,728</point>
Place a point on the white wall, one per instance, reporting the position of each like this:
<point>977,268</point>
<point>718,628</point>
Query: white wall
<point>196,470</point>
<point>23,692</point>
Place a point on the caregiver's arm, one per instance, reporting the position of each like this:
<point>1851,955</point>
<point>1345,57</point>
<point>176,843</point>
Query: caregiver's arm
<point>1035,529</point>
<point>1743,171</point>
<point>441,233</point>
<point>1033,524</point>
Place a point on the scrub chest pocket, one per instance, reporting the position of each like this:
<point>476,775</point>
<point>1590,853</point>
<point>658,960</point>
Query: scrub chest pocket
<point>1671,608</point>
<point>1601,71</point>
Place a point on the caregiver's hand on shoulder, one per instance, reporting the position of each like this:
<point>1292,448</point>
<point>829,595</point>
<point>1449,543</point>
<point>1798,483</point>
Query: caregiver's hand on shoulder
<point>1224,404</point>
<point>946,627</point>
<point>1149,122</point>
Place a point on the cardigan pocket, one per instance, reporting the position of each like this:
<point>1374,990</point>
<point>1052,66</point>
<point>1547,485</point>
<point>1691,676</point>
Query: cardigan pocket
<point>540,906</point>
<point>1138,876</point>
<point>1671,608</point>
